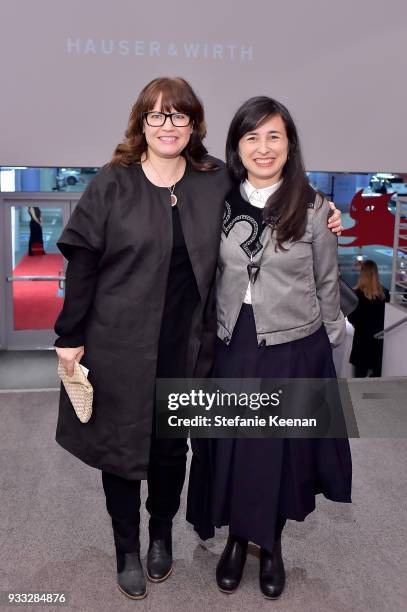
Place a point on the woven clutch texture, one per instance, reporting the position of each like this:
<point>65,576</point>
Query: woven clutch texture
<point>79,391</point>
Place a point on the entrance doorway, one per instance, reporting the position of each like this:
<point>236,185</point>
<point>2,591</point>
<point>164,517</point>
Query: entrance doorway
<point>33,269</point>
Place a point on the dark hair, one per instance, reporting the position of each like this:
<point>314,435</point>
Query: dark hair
<point>176,93</point>
<point>289,203</point>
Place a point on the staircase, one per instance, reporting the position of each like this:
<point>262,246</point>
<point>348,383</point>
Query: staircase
<point>398,291</point>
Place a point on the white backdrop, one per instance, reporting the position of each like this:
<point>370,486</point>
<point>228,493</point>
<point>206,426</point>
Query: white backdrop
<point>70,72</point>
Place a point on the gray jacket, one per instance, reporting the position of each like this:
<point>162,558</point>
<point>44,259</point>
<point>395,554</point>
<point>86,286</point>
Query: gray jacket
<point>295,290</point>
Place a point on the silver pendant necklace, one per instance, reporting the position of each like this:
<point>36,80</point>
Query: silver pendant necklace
<point>173,197</point>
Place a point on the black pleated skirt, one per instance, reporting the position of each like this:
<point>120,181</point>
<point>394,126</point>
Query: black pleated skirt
<point>247,483</point>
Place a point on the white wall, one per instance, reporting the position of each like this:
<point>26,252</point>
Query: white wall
<point>341,354</point>
<point>395,343</point>
<point>70,72</point>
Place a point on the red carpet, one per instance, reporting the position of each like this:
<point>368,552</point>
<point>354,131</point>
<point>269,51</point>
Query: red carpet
<point>36,304</point>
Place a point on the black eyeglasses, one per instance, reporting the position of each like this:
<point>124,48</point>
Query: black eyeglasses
<point>156,119</point>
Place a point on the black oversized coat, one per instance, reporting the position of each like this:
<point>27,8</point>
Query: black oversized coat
<point>127,221</point>
<point>368,320</point>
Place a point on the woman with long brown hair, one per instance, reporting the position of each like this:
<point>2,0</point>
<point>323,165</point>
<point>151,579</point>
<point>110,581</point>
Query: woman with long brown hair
<point>368,320</point>
<point>142,246</point>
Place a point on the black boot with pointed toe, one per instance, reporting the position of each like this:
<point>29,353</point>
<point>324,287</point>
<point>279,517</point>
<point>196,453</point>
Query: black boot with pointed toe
<point>229,570</point>
<point>272,572</point>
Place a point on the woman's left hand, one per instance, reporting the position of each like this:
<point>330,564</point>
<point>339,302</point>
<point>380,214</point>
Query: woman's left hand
<point>334,221</point>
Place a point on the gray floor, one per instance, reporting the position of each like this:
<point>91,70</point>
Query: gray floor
<point>56,535</point>
<point>28,370</point>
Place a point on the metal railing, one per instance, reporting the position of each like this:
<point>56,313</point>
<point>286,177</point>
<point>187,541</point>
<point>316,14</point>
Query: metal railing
<point>398,291</point>
<point>386,330</point>
<point>60,278</point>
<point>12,279</point>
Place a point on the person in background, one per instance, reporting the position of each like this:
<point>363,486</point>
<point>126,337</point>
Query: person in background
<point>36,241</point>
<point>368,320</point>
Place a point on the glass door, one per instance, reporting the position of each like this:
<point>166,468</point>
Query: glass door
<point>35,269</point>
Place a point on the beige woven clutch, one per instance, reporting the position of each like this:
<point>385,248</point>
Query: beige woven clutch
<point>79,391</point>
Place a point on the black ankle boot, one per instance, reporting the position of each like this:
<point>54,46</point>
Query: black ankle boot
<point>272,573</point>
<point>130,575</point>
<point>159,558</point>
<point>229,570</point>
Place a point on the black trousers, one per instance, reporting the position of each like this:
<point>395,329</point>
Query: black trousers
<point>362,371</point>
<point>165,479</point>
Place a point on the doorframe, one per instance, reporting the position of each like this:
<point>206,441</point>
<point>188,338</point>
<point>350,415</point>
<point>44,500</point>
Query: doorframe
<point>29,339</point>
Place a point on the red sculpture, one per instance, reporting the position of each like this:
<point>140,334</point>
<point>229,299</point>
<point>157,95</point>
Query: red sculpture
<point>374,221</point>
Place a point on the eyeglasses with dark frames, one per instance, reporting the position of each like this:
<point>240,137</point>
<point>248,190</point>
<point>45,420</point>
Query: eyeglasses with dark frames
<point>157,119</point>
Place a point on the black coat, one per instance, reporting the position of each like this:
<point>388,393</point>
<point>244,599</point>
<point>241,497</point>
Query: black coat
<point>127,221</point>
<point>368,320</point>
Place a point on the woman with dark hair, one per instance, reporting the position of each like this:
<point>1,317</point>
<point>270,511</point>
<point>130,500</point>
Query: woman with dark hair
<point>142,246</point>
<point>368,320</point>
<point>278,316</point>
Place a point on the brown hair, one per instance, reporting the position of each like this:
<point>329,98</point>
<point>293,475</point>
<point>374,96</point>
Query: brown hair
<point>176,93</point>
<point>369,282</point>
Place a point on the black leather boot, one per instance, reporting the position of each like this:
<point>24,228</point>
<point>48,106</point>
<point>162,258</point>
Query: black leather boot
<point>230,567</point>
<point>159,557</point>
<point>272,573</point>
<point>130,575</point>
